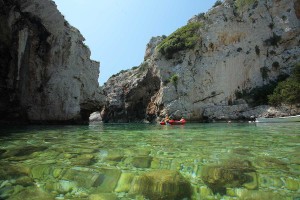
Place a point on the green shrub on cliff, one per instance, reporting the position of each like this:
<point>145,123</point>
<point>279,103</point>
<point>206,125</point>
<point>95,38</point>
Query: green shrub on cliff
<point>287,91</point>
<point>217,3</point>
<point>174,79</point>
<point>183,38</point>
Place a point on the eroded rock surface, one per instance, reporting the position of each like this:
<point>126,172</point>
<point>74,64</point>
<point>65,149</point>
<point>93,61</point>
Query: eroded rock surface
<point>46,73</point>
<point>239,49</point>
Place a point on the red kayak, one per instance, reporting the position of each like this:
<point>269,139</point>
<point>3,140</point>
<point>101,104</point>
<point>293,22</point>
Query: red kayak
<point>174,122</point>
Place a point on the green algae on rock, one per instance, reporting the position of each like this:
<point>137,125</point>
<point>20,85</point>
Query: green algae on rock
<point>124,182</point>
<point>232,173</point>
<point>161,184</point>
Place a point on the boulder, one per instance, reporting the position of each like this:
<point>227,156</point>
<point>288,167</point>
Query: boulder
<point>124,182</point>
<point>161,184</point>
<point>231,173</point>
<point>32,193</point>
<point>139,161</point>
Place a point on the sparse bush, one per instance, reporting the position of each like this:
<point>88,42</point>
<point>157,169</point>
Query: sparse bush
<point>257,96</point>
<point>271,26</point>
<point>201,15</point>
<point>120,72</point>
<point>174,79</point>
<point>284,18</point>
<point>273,41</point>
<point>135,67</point>
<point>275,65</point>
<point>260,95</point>
<point>287,91</point>
<point>183,38</point>
<point>218,2</point>
<point>144,66</point>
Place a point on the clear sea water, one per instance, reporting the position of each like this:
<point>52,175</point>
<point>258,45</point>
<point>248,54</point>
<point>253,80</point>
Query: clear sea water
<point>104,161</point>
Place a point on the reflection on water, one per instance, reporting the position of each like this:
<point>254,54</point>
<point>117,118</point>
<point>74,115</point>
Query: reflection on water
<point>142,161</point>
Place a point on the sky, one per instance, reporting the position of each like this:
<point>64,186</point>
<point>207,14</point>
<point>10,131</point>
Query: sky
<point>117,31</point>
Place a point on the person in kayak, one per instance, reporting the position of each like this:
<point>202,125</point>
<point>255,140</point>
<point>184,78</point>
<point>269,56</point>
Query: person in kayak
<point>182,119</point>
<point>166,118</point>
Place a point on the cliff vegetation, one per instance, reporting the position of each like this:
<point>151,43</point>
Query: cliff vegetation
<point>183,38</point>
<point>288,91</point>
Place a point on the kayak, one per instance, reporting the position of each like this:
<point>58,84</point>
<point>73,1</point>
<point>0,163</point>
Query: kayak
<point>173,122</point>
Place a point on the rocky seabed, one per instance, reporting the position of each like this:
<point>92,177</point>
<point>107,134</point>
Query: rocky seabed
<point>144,173</point>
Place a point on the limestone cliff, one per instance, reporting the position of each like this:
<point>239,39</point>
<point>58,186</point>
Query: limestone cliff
<point>240,46</point>
<point>46,72</point>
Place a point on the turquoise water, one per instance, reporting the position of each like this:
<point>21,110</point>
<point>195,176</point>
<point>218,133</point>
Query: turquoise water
<point>146,161</point>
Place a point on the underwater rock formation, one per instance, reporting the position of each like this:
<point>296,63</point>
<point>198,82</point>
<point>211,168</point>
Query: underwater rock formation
<point>161,184</point>
<point>46,73</point>
<point>233,173</point>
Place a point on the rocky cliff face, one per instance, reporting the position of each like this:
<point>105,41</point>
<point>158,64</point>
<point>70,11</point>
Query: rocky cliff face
<point>46,73</point>
<point>241,46</point>
<point>129,95</point>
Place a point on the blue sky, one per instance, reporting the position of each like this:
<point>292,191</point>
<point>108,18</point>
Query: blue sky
<point>117,31</point>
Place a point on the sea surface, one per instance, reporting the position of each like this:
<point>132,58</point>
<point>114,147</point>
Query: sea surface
<point>150,161</point>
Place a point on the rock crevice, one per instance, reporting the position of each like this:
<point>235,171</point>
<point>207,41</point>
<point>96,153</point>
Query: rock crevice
<point>41,55</point>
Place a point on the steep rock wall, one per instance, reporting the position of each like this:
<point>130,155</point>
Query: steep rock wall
<point>129,95</point>
<point>46,71</point>
<point>239,49</point>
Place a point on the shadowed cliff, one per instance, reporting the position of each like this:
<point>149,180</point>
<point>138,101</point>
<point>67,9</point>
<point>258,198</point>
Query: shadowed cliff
<point>46,74</point>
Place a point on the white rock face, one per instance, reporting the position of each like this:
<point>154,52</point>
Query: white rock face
<point>241,49</point>
<point>53,78</point>
<point>237,47</point>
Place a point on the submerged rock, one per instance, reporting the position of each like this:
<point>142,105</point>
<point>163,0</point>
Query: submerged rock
<point>108,180</point>
<point>258,195</point>
<point>161,184</point>
<point>83,178</point>
<point>24,181</point>
<point>124,182</point>
<point>102,180</point>
<point>103,196</point>
<point>32,193</point>
<point>8,171</point>
<point>242,151</point>
<point>2,151</point>
<point>83,160</point>
<point>41,171</point>
<point>29,150</point>
<point>270,162</point>
<point>292,184</point>
<point>139,162</point>
<point>232,173</point>
<point>61,186</point>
